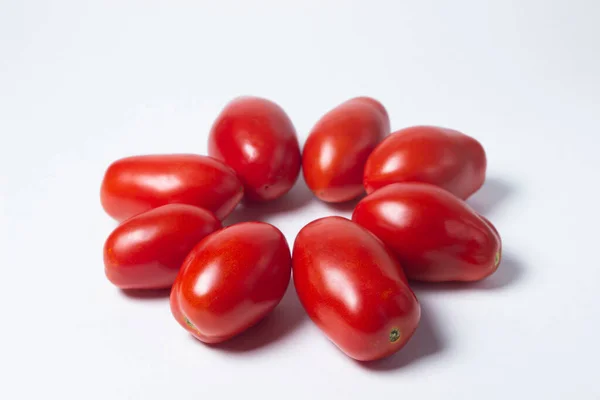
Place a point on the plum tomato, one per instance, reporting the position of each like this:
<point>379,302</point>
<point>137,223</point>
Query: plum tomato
<point>435,235</point>
<point>353,288</point>
<point>231,280</point>
<point>257,139</point>
<point>146,251</point>
<point>336,150</point>
<point>429,154</point>
<point>136,184</point>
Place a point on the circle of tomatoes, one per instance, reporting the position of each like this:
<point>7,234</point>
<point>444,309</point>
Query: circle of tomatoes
<point>352,277</point>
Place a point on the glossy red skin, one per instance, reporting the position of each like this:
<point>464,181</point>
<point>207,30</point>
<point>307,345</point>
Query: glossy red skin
<point>435,235</point>
<point>231,280</point>
<point>382,110</point>
<point>136,184</point>
<point>146,251</point>
<point>257,139</point>
<point>429,154</point>
<point>337,148</point>
<point>353,288</point>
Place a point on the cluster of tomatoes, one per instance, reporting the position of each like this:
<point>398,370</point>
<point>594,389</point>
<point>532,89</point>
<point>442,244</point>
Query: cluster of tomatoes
<point>351,276</point>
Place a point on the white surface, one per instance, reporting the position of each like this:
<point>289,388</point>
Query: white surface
<point>83,83</point>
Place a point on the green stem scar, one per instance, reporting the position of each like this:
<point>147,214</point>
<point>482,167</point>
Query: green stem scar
<point>394,335</point>
<point>189,323</point>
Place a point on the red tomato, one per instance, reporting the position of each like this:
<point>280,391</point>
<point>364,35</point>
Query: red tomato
<point>136,184</point>
<point>352,287</point>
<point>436,236</point>
<point>231,280</point>
<point>440,156</point>
<point>257,139</point>
<point>337,148</point>
<point>146,251</point>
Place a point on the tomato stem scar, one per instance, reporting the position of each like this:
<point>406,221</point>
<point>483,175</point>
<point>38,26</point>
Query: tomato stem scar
<point>189,323</point>
<point>394,335</point>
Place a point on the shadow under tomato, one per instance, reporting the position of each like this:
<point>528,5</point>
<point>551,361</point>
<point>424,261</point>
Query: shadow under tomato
<point>346,206</point>
<point>146,294</point>
<point>510,272</point>
<point>492,194</point>
<point>299,196</point>
<point>427,341</point>
<point>286,317</point>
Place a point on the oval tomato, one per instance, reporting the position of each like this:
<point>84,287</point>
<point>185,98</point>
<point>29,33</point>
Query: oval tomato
<point>136,184</point>
<point>436,236</point>
<point>146,251</point>
<point>429,154</point>
<point>336,150</point>
<point>354,290</point>
<point>257,139</point>
<point>231,280</point>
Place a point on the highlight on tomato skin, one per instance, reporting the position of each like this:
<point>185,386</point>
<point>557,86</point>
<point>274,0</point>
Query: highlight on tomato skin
<point>256,138</point>
<point>436,236</point>
<point>146,251</point>
<point>231,280</point>
<point>353,289</point>
<point>429,154</point>
<point>337,148</point>
<point>135,184</point>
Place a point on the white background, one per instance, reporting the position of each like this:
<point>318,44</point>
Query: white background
<point>83,83</point>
